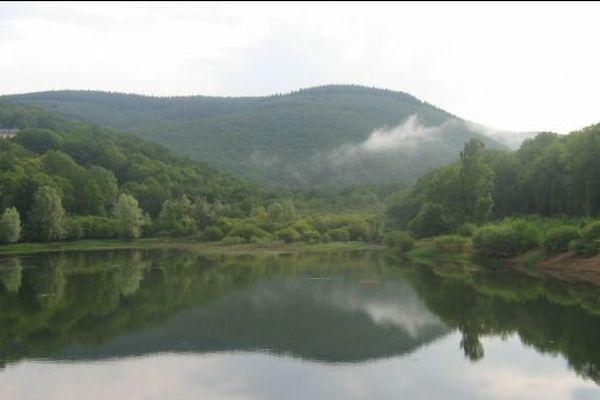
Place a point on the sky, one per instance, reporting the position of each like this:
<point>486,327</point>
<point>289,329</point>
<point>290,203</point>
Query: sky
<point>510,66</point>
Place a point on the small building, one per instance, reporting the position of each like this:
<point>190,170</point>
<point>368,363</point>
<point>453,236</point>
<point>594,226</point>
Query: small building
<point>8,133</point>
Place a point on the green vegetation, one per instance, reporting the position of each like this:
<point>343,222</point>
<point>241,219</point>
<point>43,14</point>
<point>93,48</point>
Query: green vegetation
<point>10,226</point>
<point>542,195</point>
<point>73,181</point>
<point>293,140</point>
<point>400,241</point>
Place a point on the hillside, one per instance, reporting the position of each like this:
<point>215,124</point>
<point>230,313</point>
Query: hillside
<point>325,136</point>
<point>88,166</point>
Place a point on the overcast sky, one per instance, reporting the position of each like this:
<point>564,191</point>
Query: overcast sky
<point>509,66</point>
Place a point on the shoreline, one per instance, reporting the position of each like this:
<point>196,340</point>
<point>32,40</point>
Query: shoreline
<point>197,247</point>
<point>565,267</point>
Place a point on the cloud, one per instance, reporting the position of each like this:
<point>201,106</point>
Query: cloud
<point>405,137</point>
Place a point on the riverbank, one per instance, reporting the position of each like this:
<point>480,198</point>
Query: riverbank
<point>566,266</point>
<point>198,247</point>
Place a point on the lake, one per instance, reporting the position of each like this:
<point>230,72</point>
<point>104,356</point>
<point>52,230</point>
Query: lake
<point>170,324</point>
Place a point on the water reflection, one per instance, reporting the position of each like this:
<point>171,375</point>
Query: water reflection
<point>344,322</point>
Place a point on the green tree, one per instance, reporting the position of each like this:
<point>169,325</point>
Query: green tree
<point>130,217</point>
<point>10,226</point>
<point>431,220</point>
<point>476,182</point>
<point>175,217</point>
<point>47,215</point>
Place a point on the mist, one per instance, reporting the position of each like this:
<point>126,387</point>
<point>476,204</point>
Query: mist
<point>404,137</point>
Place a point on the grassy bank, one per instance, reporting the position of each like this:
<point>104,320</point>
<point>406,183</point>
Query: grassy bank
<point>200,247</point>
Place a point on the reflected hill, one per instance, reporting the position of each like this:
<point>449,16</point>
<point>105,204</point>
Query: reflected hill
<point>115,304</point>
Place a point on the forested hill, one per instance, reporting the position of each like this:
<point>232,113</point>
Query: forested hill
<point>325,136</point>
<point>88,166</point>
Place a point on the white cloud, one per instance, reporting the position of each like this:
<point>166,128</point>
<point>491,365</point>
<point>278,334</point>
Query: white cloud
<point>404,137</point>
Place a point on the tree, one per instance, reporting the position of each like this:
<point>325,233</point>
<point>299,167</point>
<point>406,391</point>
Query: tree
<point>476,183</point>
<point>175,217</point>
<point>10,226</point>
<point>47,215</point>
<point>431,220</point>
<point>130,217</point>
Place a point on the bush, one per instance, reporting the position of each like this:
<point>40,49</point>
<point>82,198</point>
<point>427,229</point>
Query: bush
<point>400,240</point>
<point>310,236</point>
<point>467,230</point>
<point>497,241</point>
<point>557,240</point>
<point>591,231</point>
<point>213,234</point>
<point>585,247</point>
<point>529,233</point>
<point>339,234</point>
<point>452,244</point>
<point>233,240</point>
<point>247,230</point>
<point>287,235</point>
<point>359,230</point>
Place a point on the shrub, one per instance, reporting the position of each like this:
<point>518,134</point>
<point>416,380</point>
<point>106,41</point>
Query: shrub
<point>247,230</point>
<point>311,236</point>
<point>591,231</point>
<point>233,240</point>
<point>339,234</point>
<point>400,240</point>
<point>497,241</point>
<point>528,232</point>
<point>359,230</point>
<point>557,240</point>
<point>467,230</point>
<point>585,247</point>
<point>287,235</point>
<point>213,234</point>
<point>452,244</point>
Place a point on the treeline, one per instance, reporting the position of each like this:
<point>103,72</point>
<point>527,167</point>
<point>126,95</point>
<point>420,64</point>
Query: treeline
<point>550,176</point>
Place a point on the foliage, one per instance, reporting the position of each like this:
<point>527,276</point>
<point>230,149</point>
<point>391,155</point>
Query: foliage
<point>233,240</point>
<point>291,140</point>
<point>400,241</point>
<point>130,217</point>
<point>591,230</point>
<point>431,220</point>
<point>452,244</point>
<point>47,215</point>
<point>339,234</point>
<point>213,234</point>
<point>288,235</point>
<point>585,247</point>
<point>467,230</point>
<point>475,183</point>
<point>497,241</point>
<point>557,240</point>
<point>10,226</point>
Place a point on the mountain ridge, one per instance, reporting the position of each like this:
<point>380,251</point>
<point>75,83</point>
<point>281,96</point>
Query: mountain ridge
<point>284,139</point>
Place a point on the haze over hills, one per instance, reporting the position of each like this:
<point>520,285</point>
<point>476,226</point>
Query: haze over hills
<point>323,136</point>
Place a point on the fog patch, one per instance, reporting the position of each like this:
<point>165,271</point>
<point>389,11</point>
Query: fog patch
<point>405,137</point>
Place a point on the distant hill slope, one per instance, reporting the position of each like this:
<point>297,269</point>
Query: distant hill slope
<point>324,136</point>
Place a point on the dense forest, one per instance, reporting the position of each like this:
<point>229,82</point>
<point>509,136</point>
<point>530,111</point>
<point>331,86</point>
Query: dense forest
<point>70,180</point>
<point>312,137</point>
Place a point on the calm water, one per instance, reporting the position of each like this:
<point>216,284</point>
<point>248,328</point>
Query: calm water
<point>173,325</point>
